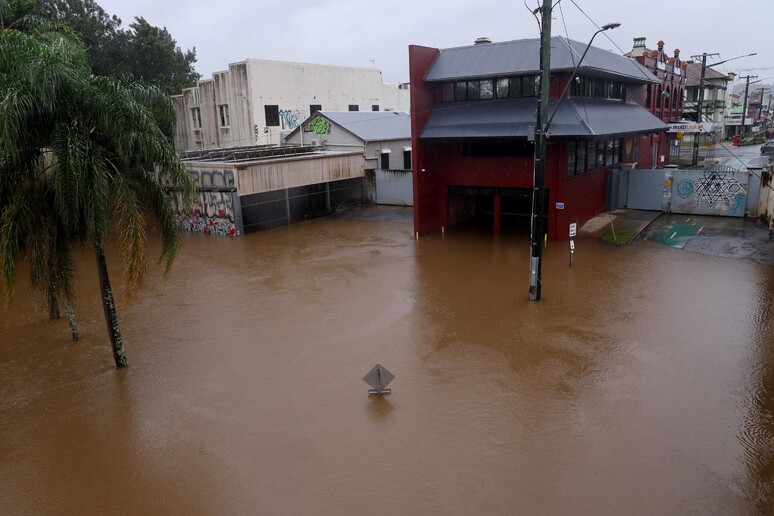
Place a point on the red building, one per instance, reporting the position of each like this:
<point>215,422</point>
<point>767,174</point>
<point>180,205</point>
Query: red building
<point>665,99</point>
<point>473,113</point>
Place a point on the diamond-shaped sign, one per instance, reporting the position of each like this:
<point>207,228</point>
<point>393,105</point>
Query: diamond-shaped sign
<point>378,377</point>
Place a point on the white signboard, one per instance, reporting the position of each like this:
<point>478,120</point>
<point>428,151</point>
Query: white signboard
<point>573,229</point>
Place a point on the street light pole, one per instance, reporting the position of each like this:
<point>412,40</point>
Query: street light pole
<point>541,135</point>
<point>539,179</point>
<point>575,71</point>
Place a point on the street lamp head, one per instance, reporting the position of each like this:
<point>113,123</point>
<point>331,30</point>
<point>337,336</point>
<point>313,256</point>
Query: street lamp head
<point>610,26</point>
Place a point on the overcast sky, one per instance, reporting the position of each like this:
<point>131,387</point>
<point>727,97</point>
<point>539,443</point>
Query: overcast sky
<point>378,32</point>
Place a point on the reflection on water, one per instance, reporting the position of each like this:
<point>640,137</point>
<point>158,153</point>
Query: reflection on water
<point>757,433</point>
<point>641,383</point>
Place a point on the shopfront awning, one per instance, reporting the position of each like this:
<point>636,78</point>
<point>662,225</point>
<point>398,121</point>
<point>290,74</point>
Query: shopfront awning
<point>515,118</point>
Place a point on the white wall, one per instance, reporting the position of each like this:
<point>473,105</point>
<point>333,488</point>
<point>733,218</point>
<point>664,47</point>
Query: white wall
<point>250,85</point>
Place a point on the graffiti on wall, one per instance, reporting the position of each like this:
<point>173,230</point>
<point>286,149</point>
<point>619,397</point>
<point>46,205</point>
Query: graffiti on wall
<point>213,178</point>
<point>318,125</point>
<point>290,118</point>
<point>212,213</point>
<point>712,193</point>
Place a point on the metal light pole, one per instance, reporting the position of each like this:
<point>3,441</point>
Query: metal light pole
<point>700,100</point>
<point>575,71</point>
<point>539,178</point>
<point>541,135</point>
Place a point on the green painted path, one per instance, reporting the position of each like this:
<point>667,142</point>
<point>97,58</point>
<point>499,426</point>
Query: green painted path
<point>676,234</point>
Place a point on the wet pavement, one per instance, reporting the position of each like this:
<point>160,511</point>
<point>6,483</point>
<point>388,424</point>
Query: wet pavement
<point>622,219</point>
<point>642,383</point>
<point>726,237</point>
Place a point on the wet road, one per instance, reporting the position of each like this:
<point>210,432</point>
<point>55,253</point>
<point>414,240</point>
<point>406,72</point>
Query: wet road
<point>643,383</point>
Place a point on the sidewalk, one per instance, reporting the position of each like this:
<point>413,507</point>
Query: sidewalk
<point>622,219</point>
<point>729,237</point>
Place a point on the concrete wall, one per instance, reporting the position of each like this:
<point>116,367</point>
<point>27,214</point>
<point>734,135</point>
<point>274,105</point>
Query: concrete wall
<point>708,192</point>
<point>394,187</point>
<point>374,150</point>
<point>248,86</point>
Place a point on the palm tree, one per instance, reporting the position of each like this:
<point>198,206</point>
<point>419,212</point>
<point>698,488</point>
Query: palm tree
<point>80,160</point>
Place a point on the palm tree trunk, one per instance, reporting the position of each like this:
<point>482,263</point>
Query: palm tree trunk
<point>109,307</point>
<point>71,319</point>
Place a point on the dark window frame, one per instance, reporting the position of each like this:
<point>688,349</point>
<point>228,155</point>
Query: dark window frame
<point>353,107</point>
<point>223,115</point>
<point>196,116</point>
<point>314,108</point>
<point>271,114</point>
<point>406,160</point>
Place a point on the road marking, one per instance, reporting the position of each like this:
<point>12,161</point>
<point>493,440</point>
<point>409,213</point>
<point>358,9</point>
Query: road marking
<point>673,234</point>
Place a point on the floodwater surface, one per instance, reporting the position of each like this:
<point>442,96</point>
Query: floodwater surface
<point>642,383</point>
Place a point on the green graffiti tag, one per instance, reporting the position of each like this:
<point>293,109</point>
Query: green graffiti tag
<point>318,125</point>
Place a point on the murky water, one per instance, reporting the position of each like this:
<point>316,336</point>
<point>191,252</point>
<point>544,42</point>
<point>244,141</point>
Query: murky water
<point>642,383</point>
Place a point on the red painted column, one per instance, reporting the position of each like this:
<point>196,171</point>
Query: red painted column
<point>496,214</point>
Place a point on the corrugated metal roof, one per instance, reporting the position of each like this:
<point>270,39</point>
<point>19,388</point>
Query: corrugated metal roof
<point>508,118</point>
<point>523,57</point>
<point>693,72</point>
<point>373,125</point>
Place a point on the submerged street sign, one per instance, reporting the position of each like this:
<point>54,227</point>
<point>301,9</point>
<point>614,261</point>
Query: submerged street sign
<point>378,378</point>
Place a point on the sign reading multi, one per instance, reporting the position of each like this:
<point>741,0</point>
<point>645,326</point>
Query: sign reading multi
<point>693,127</point>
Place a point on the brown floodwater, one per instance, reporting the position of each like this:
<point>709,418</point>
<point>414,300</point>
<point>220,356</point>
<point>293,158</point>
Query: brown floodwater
<point>642,383</point>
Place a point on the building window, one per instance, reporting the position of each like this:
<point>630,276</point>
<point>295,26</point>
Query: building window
<point>447,92</point>
<point>272,116</point>
<point>591,155</point>
<point>314,108</point>
<point>407,160</point>
<point>474,90</point>
<point>601,153</point>
<point>529,86</point>
<point>571,158</point>
<point>384,162</point>
<point>223,113</point>
<point>502,88</point>
<point>196,115</point>
<point>374,107</point>
<point>461,90</point>
<point>486,90</point>
<point>584,86</point>
<point>580,158</point>
<point>354,107</point>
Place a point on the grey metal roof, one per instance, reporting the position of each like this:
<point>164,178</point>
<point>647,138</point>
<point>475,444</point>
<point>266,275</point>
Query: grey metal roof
<point>508,118</point>
<point>523,57</point>
<point>372,125</point>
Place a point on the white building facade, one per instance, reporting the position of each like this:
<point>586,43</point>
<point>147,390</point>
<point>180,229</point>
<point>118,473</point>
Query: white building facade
<point>257,102</point>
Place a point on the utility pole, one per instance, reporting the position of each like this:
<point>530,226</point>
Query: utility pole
<point>700,98</point>
<point>760,109</point>
<point>539,189</point>
<point>699,113</point>
<point>744,105</point>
